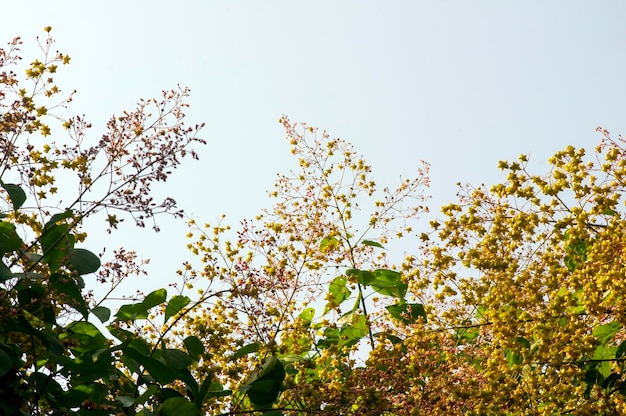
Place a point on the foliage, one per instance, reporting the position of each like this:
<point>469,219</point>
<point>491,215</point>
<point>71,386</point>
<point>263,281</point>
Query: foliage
<point>531,271</point>
<point>512,303</point>
<point>55,355</point>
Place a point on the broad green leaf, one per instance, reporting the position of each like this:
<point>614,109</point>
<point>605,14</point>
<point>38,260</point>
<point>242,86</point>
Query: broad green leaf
<point>125,401</point>
<point>328,244</point>
<point>610,380</point>
<point>330,337</point>
<point>467,335</point>
<point>102,313</point>
<point>67,286</point>
<point>363,277</point>
<point>372,243</point>
<point>88,336</point>
<point>5,272</point>
<point>621,350</point>
<point>389,283</point>
<point>337,292</point>
<point>609,211</point>
<point>606,331</point>
<point>307,315</point>
<point>131,312</point>
<point>84,261</point>
<point>245,350</point>
<point>352,333</point>
<point>56,244</point>
<point>9,239</point>
<point>16,194</point>
<point>28,275</point>
<point>576,253</point>
<point>87,391</point>
<point>155,368</point>
<point>175,305</point>
<point>204,389</point>
<point>408,312</point>
<point>30,295</point>
<point>218,393</point>
<point>5,363</point>
<point>593,376</point>
<point>392,338</point>
<point>194,346</point>
<point>58,217</point>
<point>264,385</point>
<point>154,298</point>
<point>150,391</point>
<point>140,345</point>
<point>291,358</point>
<point>178,406</point>
<point>176,359</point>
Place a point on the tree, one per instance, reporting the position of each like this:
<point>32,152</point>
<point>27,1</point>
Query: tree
<point>511,303</point>
<point>531,273</point>
<point>53,358</point>
<point>307,287</point>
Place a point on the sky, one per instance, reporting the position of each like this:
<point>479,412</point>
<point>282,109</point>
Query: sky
<point>458,84</point>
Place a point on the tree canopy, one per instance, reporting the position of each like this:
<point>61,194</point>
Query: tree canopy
<point>342,297</point>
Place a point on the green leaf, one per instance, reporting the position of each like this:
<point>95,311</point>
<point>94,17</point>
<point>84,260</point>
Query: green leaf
<point>307,315</point>
<point>363,277</point>
<point>175,305</point>
<point>131,312</point>
<point>84,261</point>
<point>210,390</point>
<point>28,276</point>
<point>88,336</point>
<point>352,333</point>
<point>610,380</point>
<point>56,244</point>
<point>576,253</point>
<point>5,363</point>
<point>58,217</point>
<point>372,243</point>
<point>218,393</point>
<point>178,406</point>
<point>264,385</point>
<point>155,368</point>
<point>154,299</point>
<point>328,244</point>
<point>337,292</point>
<point>176,359</point>
<point>67,286</point>
<point>150,391</point>
<point>9,239</point>
<point>408,313</point>
<point>32,296</point>
<point>5,272</point>
<point>606,331</point>
<point>87,391</point>
<point>125,401</point>
<point>388,283</point>
<point>609,211</point>
<point>194,346</point>
<point>245,350</point>
<point>16,194</point>
<point>467,335</point>
<point>102,313</point>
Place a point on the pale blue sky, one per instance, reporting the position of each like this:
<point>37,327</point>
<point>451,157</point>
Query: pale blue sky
<point>460,84</point>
